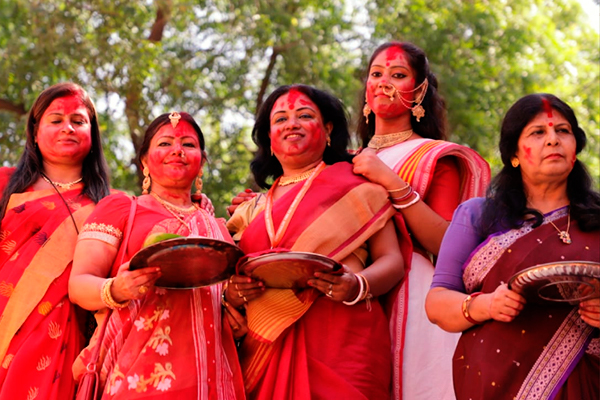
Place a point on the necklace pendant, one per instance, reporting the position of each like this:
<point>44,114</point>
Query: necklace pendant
<point>565,237</point>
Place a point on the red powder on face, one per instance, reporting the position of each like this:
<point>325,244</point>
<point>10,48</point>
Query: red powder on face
<point>528,154</point>
<point>393,53</point>
<point>547,107</point>
<point>292,97</point>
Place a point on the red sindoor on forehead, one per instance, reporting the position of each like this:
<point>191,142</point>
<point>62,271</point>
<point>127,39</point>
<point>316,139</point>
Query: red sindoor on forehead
<point>292,97</point>
<point>548,109</point>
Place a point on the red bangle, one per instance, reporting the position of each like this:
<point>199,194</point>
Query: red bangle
<point>465,308</point>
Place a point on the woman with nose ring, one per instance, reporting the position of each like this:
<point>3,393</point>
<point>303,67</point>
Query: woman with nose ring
<point>403,132</point>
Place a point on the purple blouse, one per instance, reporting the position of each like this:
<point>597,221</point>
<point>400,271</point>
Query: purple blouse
<point>461,239</point>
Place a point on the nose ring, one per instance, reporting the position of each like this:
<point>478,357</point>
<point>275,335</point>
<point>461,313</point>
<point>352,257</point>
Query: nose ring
<point>389,90</point>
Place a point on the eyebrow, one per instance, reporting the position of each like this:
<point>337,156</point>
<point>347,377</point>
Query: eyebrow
<point>300,109</point>
<point>392,66</point>
<point>61,114</point>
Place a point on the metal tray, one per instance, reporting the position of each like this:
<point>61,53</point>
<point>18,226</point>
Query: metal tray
<point>189,262</point>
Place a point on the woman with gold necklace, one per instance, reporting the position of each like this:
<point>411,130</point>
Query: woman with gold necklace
<point>330,340</point>
<point>159,343</point>
<point>403,135</point>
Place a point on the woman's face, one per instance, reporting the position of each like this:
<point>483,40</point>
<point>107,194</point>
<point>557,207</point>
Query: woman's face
<point>546,149</point>
<point>298,135</point>
<point>390,67</point>
<point>174,157</point>
<point>64,133</point>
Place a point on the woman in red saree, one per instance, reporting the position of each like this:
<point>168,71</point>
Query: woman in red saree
<point>159,343</point>
<point>540,209</point>
<point>45,200</point>
<point>403,136</point>
<point>330,340</point>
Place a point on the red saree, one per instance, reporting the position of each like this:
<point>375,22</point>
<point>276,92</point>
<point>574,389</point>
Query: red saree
<point>171,344</point>
<point>547,352</point>
<point>302,345</point>
<point>40,335</point>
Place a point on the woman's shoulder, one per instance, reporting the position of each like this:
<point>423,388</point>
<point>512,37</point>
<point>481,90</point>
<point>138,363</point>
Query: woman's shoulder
<point>114,202</point>
<point>469,211</point>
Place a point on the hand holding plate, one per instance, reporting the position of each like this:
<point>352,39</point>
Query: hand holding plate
<point>128,284</point>
<point>505,304</point>
<point>338,287</point>
<point>241,289</point>
<point>589,310</point>
<point>236,320</point>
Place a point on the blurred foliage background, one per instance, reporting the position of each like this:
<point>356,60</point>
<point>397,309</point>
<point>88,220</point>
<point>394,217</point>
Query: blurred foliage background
<point>219,59</point>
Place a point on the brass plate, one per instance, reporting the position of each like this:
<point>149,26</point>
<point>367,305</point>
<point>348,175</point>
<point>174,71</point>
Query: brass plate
<point>288,270</point>
<point>566,281</point>
<point>189,262</point>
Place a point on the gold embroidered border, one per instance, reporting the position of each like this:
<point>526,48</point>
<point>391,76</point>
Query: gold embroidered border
<point>103,237</point>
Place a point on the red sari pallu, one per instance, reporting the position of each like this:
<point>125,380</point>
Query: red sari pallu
<point>40,333</point>
<point>301,344</point>
<point>547,351</point>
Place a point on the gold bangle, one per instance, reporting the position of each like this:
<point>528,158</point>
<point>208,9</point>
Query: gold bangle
<point>465,308</point>
<point>399,189</point>
<point>106,296</point>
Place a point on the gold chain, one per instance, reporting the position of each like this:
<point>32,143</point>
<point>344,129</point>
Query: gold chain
<point>382,141</point>
<point>66,186</point>
<point>564,235</point>
<point>288,180</point>
<point>171,208</point>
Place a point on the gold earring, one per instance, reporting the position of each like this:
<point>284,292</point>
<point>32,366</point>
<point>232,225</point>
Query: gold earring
<point>514,162</point>
<point>366,111</point>
<point>272,151</point>
<point>199,183</point>
<point>328,141</point>
<point>147,181</point>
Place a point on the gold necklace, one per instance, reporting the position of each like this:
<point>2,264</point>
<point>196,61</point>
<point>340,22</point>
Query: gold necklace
<point>288,180</point>
<point>181,210</point>
<point>382,141</point>
<point>564,235</point>
<point>171,208</point>
<point>66,186</point>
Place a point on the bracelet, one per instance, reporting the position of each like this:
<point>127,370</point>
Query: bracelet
<point>106,296</point>
<point>410,203</point>
<point>367,296</point>
<point>465,308</point>
<point>361,292</point>
<point>402,198</point>
<point>400,189</point>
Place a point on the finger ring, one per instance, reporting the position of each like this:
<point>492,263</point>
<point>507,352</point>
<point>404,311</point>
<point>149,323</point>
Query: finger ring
<point>143,289</point>
<point>240,295</point>
<point>245,299</point>
<point>329,293</point>
<point>330,287</point>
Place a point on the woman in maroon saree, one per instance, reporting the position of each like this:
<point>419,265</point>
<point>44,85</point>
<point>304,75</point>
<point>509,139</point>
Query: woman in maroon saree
<point>510,347</point>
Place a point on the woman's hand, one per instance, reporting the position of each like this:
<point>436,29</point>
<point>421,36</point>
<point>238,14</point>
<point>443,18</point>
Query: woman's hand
<point>206,204</point>
<point>337,287</point>
<point>504,304</point>
<point>239,199</point>
<point>236,320</point>
<point>129,285</point>
<point>589,310</point>
<point>242,289</point>
<point>367,163</point>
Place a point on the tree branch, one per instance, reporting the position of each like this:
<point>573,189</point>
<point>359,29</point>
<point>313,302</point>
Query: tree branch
<point>265,81</point>
<point>163,13</point>
<point>12,107</point>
